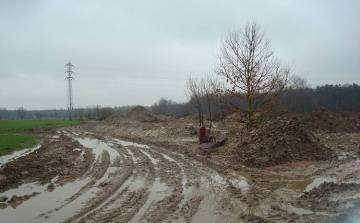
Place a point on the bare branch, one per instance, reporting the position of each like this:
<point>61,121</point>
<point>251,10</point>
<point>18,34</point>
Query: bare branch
<point>249,66</point>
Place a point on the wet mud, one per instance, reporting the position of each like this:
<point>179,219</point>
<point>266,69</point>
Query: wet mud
<point>87,176</point>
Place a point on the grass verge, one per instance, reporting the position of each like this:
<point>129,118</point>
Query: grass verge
<point>13,134</point>
<point>10,142</point>
<point>23,125</point>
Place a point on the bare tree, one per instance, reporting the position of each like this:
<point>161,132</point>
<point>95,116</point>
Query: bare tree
<point>195,93</point>
<point>250,68</point>
<point>297,82</point>
<point>207,92</point>
<point>212,90</point>
<point>162,106</point>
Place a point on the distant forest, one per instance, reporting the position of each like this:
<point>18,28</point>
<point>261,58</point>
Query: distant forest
<point>332,97</point>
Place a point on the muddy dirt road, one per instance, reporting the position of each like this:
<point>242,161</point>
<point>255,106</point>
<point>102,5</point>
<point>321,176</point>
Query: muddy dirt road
<point>88,174</point>
<point>128,182</point>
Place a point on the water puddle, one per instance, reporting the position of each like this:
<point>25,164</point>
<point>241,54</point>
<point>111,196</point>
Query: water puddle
<point>98,147</point>
<point>132,183</point>
<point>188,139</point>
<point>207,210</point>
<point>240,184</point>
<point>318,181</point>
<point>55,206</point>
<point>24,189</point>
<point>187,191</point>
<point>346,171</point>
<point>41,208</point>
<point>345,197</point>
<point>106,177</point>
<point>298,211</point>
<point>127,143</point>
<point>92,144</point>
<point>345,155</point>
<point>152,159</point>
<point>158,192</point>
<point>134,159</point>
<point>17,154</point>
<point>217,180</point>
<point>70,209</point>
<point>169,158</point>
<point>74,133</point>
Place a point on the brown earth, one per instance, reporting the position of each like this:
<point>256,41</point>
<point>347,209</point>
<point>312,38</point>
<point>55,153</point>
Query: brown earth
<point>55,157</point>
<point>170,180</point>
<point>327,121</point>
<point>279,140</point>
<point>140,113</point>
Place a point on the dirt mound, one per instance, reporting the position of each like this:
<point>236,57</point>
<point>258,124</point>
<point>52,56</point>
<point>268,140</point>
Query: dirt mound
<point>140,113</point>
<point>114,118</point>
<point>328,121</point>
<point>279,140</point>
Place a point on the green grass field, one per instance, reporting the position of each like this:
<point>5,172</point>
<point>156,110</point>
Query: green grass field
<point>10,142</point>
<point>14,136</point>
<point>16,126</point>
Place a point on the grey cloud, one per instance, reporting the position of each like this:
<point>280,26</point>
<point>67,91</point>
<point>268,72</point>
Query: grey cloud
<point>122,48</point>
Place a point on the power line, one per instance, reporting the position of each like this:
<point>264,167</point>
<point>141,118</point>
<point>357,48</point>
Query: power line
<point>69,77</point>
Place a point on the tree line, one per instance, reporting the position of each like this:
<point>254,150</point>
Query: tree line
<point>89,113</point>
<point>336,98</point>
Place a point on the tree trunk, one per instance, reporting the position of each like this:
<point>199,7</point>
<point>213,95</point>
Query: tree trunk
<point>250,111</point>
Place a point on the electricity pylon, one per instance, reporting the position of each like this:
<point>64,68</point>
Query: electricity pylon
<point>69,77</point>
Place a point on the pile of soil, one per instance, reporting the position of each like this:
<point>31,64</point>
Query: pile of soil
<point>140,113</point>
<point>279,140</point>
<point>114,118</point>
<point>331,122</point>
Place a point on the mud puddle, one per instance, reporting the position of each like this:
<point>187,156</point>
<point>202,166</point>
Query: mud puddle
<point>17,154</point>
<point>98,147</point>
<point>157,192</point>
<point>40,207</point>
<point>126,182</point>
<point>128,143</point>
<point>318,181</point>
<point>24,189</point>
<point>59,203</point>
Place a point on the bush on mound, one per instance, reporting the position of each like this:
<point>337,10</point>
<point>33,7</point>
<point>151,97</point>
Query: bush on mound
<point>279,140</point>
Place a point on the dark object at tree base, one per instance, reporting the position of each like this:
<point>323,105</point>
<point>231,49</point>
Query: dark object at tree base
<point>203,135</point>
<point>212,146</point>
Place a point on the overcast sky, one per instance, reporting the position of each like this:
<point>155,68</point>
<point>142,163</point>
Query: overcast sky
<point>134,52</point>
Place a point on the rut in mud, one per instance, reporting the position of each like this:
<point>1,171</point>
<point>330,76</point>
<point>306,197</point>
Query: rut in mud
<point>80,176</point>
<point>129,182</point>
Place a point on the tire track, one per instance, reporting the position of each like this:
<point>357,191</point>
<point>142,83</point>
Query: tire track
<point>132,191</point>
<point>130,182</point>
